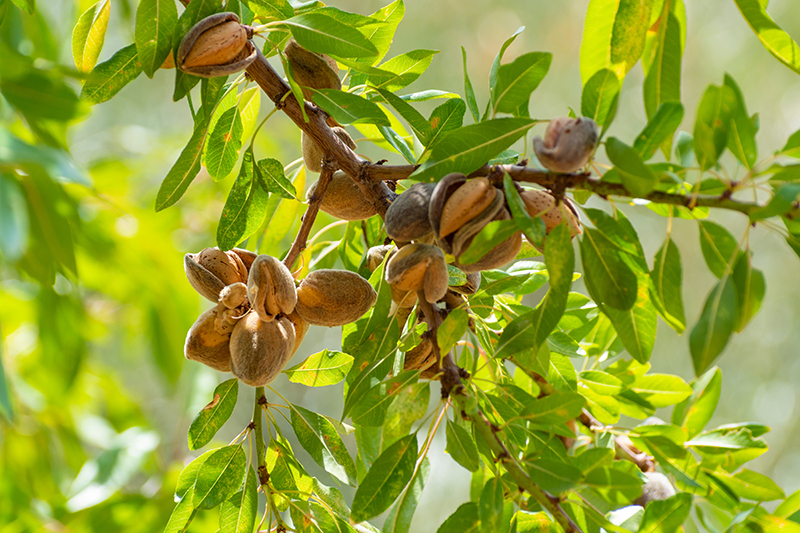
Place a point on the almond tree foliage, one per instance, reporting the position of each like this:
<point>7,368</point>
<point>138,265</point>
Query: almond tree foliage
<point>532,392</point>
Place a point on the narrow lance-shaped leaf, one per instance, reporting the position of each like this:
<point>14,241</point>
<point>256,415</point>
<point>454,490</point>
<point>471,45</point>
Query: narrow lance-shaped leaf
<point>659,130</point>
<point>667,276</point>
<point>208,421</point>
<point>695,411</point>
<point>414,118</point>
<point>348,108</point>
<point>741,128</point>
<point>320,439</point>
<point>711,124</point>
<point>445,118</point>
<point>718,247</point>
<point>609,279</point>
<point>325,35</point>
<point>184,170</point>
<point>321,369</point>
<point>402,70</point>
<point>469,92</point>
<point>271,175</point>
<point>461,447</point>
<point>518,79</point>
<point>381,35</point>
<point>750,290</point>
<point>775,40</point>
<point>467,148</point>
<point>533,228</point>
<point>662,81</point>
<point>219,476</point>
<point>155,22</point>
<point>400,516</point>
<point>89,35</point>
<point>387,478</point>
<point>109,77</point>
<point>495,67</point>
<point>224,143</point>
<point>637,177</point>
<point>532,328</point>
<point>244,209</point>
<point>238,513</point>
<point>599,97</point>
<point>711,333</point>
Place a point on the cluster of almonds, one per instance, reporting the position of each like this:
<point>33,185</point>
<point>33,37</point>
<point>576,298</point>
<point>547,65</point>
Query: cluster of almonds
<point>262,315</point>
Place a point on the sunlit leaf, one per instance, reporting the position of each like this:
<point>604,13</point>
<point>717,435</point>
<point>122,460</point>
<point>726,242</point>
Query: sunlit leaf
<point>711,333</point>
<point>224,143</point>
<point>445,118</point>
<point>659,130</point>
<point>718,247</point>
<point>667,276</point>
<point>402,70</point>
<point>208,421</point>
<point>219,476</point>
<point>155,22</point>
<point>775,40</point>
<point>399,519</point>
<point>89,34</point>
<point>386,479</point>
<point>238,513</point>
<point>321,369</point>
<point>469,92</point>
<point>600,96</point>
<point>741,129</point>
<point>518,79</point>
<point>349,108</point>
<point>609,279</point>
<point>666,516</point>
<point>320,439</point>
<point>270,172</point>
<point>185,169</point>
<point>325,35</point>
<point>711,124</point>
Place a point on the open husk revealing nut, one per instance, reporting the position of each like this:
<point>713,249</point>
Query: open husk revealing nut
<point>543,204</point>
<point>343,199</point>
<point>498,256</point>
<point>568,144</point>
<point>216,46</point>
<point>334,297</point>
<point>419,267</point>
<point>260,350</point>
<point>270,288</point>
<point>375,256</point>
<point>210,270</point>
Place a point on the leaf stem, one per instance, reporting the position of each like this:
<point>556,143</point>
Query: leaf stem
<point>261,455</point>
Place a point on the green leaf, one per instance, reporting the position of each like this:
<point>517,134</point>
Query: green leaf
<point>39,95</point>
<point>461,447</point>
<point>518,79</point>
<point>14,222</point>
<point>530,329</point>
<point>601,382</point>
<point>750,290</point>
<point>752,485</point>
<point>599,97</point>
<point>185,169</point>
<point>399,518</point>
<point>613,36</point>
<point>533,228</point>
<point>224,143</point>
<point>667,276</point>
<point>782,202</point>
<point>386,479</point>
<point>182,515</point>
<point>381,35</point>
<point>695,411</point>
<point>414,118</point>
<point>285,471</point>
<point>271,9</point>
<point>775,40</point>
<point>325,35</point>
<point>445,118</point>
<point>554,476</point>
<point>614,485</point>
<point>469,92</point>
<point>188,476</point>
<point>452,329</point>
<point>6,405</point>
<point>89,34</point>
<point>554,409</point>
<point>718,247</point>
<point>238,513</point>
<point>496,67</point>
<point>410,404</point>
<point>321,369</point>
<point>662,81</point>
<point>349,108</point>
<point>741,129</point>
<point>789,506</point>
<point>666,516</point>
<point>467,148</point>
<point>397,142</point>
<point>208,421</point>
<point>155,22</point>
<point>402,70</point>
<point>28,6</point>
<point>464,520</point>
<point>711,124</point>
<point>270,172</point>
<point>109,77</point>
<point>219,476</point>
<point>661,390</point>
<point>487,239</point>
<point>659,130</point>
<point>608,278</point>
<point>196,11</point>
<point>320,439</point>
<point>244,209</point>
<point>372,406</point>
<point>637,177</point>
<point>712,331</point>
<point>490,506</point>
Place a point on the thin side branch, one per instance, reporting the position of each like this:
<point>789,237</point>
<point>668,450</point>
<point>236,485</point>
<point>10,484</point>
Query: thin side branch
<point>301,240</point>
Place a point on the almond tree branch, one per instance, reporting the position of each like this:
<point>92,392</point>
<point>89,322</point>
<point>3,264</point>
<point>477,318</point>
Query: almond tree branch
<point>309,217</point>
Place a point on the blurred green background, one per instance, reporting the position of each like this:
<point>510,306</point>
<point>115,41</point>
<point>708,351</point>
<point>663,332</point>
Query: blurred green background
<point>101,394</point>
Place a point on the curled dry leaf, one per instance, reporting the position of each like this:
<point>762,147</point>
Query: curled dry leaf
<point>568,144</point>
<point>334,297</point>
